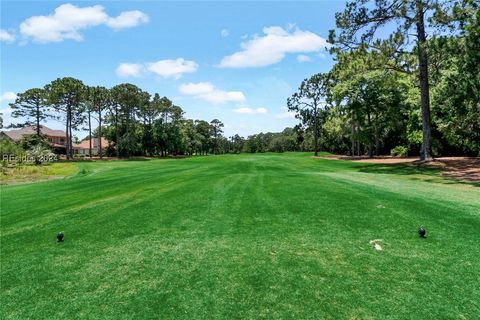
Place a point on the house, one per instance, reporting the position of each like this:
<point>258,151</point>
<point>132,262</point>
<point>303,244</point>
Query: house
<point>57,139</point>
<point>4,136</point>
<point>83,148</point>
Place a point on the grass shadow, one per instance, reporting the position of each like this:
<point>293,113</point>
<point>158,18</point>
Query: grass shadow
<point>136,159</point>
<point>399,168</point>
<point>416,171</point>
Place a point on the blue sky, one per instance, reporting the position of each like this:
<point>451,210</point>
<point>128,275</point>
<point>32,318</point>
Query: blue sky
<point>235,61</point>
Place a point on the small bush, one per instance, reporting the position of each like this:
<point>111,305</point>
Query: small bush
<point>41,154</point>
<point>31,141</point>
<point>10,152</point>
<point>399,151</point>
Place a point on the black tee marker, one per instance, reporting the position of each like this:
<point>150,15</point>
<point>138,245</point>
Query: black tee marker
<point>60,236</point>
<point>422,232</point>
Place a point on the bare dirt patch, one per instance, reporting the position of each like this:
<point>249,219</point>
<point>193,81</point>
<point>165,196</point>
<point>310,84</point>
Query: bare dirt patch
<point>462,168</point>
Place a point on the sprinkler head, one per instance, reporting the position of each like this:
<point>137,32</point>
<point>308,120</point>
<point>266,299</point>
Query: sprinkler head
<point>60,236</point>
<point>422,232</point>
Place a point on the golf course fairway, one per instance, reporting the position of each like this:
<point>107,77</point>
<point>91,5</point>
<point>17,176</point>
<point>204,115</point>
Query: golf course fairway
<point>261,236</point>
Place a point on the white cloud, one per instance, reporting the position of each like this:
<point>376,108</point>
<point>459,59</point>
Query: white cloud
<point>245,110</point>
<point>8,96</point>
<point>172,68</point>
<point>303,58</point>
<point>127,19</point>
<point>68,20</point>
<point>207,91</point>
<point>224,33</point>
<point>272,47</point>
<point>5,36</point>
<point>129,70</point>
<point>6,112</point>
<point>195,89</point>
<point>165,68</point>
<point>285,115</point>
<point>220,96</point>
<point>5,109</point>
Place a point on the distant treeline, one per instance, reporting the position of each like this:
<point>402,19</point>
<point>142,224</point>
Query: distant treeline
<point>137,123</point>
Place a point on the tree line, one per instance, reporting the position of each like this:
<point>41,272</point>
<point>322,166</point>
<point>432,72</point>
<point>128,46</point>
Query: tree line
<point>415,91</point>
<point>135,122</point>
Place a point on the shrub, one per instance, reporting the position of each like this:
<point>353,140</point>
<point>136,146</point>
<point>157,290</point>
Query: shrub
<point>31,140</point>
<point>10,151</point>
<point>399,151</point>
<point>41,154</point>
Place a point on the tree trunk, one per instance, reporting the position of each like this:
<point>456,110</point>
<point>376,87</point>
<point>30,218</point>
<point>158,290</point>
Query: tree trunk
<point>69,133</point>
<point>353,140</point>
<point>315,133</point>
<point>358,143</point>
<point>71,138</point>
<point>116,133</point>
<point>90,134</point>
<point>38,121</point>
<point>66,139</point>
<point>377,139</point>
<point>424,85</point>
<point>370,140</point>
<point>127,134</point>
<point>100,134</point>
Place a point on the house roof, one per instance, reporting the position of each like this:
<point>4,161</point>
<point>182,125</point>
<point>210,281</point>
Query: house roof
<point>3,135</point>
<point>85,143</point>
<point>56,145</point>
<point>18,134</point>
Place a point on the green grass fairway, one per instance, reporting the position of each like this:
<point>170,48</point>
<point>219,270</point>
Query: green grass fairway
<point>241,237</point>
